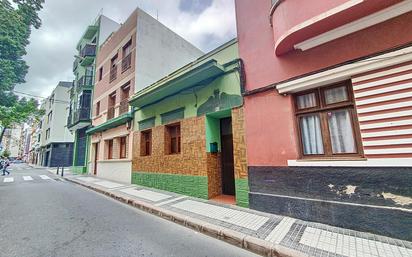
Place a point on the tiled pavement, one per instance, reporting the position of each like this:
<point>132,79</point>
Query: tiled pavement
<point>301,237</point>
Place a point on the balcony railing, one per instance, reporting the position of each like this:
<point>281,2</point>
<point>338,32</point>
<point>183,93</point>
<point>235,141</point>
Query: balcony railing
<point>75,63</point>
<point>85,81</point>
<point>82,114</point>
<point>69,119</point>
<point>127,62</point>
<point>110,113</point>
<point>124,106</point>
<point>88,50</point>
<point>113,73</point>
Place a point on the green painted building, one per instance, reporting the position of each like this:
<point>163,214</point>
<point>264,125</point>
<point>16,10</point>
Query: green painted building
<point>189,133</point>
<point>81,92</point>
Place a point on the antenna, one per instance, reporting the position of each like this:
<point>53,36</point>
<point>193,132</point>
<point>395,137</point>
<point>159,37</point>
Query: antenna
<point>157,14</point>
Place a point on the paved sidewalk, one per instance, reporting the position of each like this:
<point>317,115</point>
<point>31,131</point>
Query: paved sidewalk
<point>263,233</point>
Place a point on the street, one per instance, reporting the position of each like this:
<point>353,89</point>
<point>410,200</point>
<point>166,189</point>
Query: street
<point>43,215</point>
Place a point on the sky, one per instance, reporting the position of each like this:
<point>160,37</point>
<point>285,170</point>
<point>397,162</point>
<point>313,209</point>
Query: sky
<point>50,55</point>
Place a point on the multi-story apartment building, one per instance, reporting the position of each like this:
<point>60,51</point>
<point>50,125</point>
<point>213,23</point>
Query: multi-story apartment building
<point>12,141</point>
<point>189,133</point>
<point>56,141</point>
<point>328,110</point>
<point>79,119</point>
<point>139,53</point>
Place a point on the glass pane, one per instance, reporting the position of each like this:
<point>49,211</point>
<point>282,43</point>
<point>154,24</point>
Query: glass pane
<point>311,135</point>
<point>306,101</point>
<point>341,132</point>
<point>336,95</point>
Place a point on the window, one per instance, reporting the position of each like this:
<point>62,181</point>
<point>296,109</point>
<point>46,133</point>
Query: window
<point>47,134</point>
<point>326,120</point>
<point>49,117</point>
<point>111,104</point>
<point>173,138</point>
<point>109,144</point>
<point>98,108</point>
<point>127,58</point>
<point>100,73</point>
<point>146,143</point>
<point>123,147</point>
<point>113,68</point>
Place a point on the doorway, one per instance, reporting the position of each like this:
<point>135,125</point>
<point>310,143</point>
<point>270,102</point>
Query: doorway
<point>227,159</point>
<point>96,157</point>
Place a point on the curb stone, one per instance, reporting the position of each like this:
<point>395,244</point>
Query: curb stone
<point>252,244</point>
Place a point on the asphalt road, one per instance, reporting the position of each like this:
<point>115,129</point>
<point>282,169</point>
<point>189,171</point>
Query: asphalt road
<point>43,216</point>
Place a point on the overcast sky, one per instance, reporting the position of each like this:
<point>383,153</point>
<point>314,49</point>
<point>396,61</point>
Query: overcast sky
<point>204,23</point>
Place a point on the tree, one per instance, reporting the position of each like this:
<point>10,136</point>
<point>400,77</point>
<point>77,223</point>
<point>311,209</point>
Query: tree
<point>22,110</point>
<point>15,29</point>
<point>6,154</point>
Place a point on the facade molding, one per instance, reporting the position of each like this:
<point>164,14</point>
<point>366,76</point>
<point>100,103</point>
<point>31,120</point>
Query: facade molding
<point>346,71</point>
<point>384,162</point>
<point>360,24</point>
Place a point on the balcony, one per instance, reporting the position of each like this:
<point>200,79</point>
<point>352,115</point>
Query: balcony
<point>75,63</point>
<point>79,118</point>
<point>88,50</point>
<point>124,106</point>
<point>85,81</point>
<point>88,53</point>
<point>113,73</point>
<point>126,62</point>
<point>110,113</point>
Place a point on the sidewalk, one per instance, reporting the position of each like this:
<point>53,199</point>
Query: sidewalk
<point>262,233</point>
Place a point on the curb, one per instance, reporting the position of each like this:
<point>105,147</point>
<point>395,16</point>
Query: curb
<point>252,244</point>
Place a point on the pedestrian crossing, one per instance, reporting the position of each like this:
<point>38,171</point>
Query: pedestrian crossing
<point>9,179</point>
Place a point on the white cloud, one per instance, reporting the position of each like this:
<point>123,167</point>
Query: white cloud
<point>50,54</point>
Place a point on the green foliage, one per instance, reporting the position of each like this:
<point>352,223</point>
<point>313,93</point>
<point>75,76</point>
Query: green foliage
<point>21,111</point>
<point>15,29</point>
<point>6,154</point>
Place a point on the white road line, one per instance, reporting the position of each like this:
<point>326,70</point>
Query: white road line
<point>44,177</point>
<point>8,180</point>
<point>27,178</point>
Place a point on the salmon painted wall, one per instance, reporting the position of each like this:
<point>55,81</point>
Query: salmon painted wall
<point>271,111</point>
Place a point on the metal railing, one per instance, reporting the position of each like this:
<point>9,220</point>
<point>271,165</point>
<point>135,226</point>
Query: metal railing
<point>86,80</point>
<point>113,73</point>
<point>126,62</point>
<point>82,114</point>
<point>88,50</point>
<point>110,113</point>
<point>75,63</point>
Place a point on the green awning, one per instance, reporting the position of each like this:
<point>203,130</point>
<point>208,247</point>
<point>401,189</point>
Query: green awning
<point>112,123</point>
<point>177,82</point>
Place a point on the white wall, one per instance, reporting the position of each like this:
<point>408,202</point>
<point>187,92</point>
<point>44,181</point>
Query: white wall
<point>57,125</point>
<point>107,27</point>
<point>116,170</point>
<point>159,51</point>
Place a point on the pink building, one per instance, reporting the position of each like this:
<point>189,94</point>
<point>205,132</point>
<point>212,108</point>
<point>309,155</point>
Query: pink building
<point>328,110</point>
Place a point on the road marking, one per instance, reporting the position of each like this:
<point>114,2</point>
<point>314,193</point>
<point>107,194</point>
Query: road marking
<point>44,177</point>
<point>27,178</point>
<point>8,180</point>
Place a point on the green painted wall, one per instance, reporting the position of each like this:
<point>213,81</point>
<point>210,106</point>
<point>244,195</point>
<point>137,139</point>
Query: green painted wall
<point>195,186</point>
<point>212,132</point>
<point>227,87</point>
<point>242,192</point>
